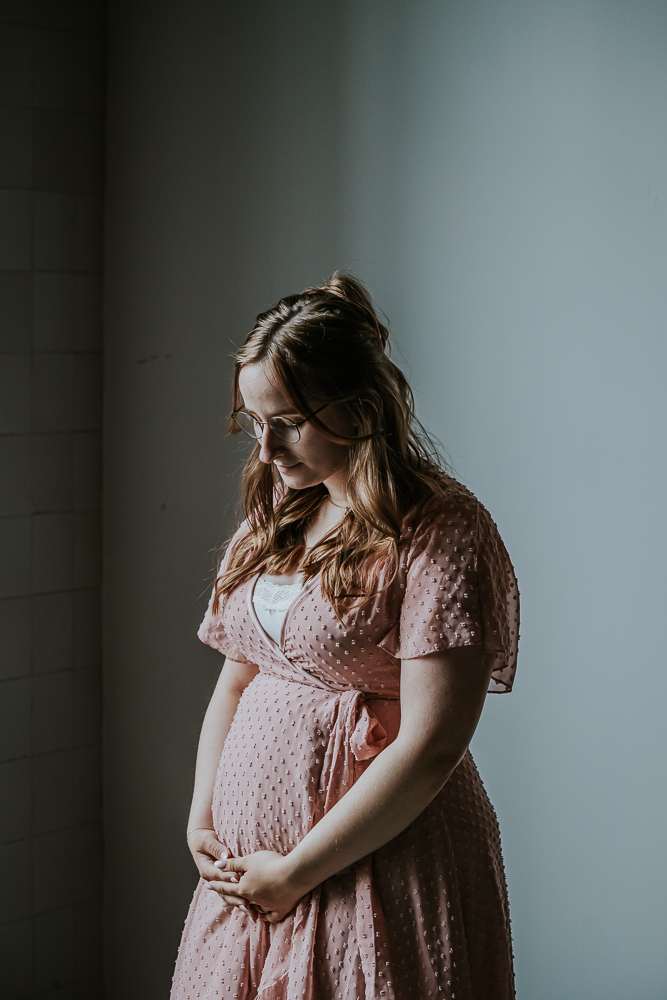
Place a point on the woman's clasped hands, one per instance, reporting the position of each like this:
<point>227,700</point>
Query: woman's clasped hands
<point>260,884</point>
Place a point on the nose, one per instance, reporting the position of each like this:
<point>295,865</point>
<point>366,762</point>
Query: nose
<point>271,447</point>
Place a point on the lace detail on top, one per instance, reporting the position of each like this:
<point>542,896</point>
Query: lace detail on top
<point>271,602</point>
<point>275,596</point>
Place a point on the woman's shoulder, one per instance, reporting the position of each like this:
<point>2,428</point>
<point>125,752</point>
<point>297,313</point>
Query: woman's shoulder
<point>458,581</point>
<point>228,547</point>
<point>445,503</point>
<point>451,519</point>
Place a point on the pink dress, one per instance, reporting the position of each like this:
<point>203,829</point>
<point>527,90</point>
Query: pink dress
<point>426,915</point>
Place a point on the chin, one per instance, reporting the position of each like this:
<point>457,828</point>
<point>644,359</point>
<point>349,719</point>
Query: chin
<point>295,478</point>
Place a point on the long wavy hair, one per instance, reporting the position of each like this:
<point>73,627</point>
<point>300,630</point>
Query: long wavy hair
<point>328,345</point>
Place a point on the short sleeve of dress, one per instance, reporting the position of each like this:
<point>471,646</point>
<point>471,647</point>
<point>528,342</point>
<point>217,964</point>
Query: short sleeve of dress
<point>212,631</point>
<point>459,588</point>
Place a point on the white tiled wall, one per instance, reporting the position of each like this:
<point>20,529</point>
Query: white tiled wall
<point>51,178</point>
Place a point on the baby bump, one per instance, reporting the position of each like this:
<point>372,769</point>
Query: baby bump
<point>269,773</point>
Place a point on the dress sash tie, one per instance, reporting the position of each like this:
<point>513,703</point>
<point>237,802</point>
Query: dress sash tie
<point>356,735</point>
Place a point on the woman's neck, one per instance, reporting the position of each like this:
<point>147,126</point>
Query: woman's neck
<point>326,517</point>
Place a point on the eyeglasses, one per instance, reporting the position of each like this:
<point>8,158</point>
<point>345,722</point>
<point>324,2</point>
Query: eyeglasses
<point>284,429</point>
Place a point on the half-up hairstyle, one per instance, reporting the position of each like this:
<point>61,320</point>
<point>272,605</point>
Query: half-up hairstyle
<point>328,345</point>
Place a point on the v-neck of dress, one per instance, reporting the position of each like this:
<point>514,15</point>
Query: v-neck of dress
<point>279,646</point>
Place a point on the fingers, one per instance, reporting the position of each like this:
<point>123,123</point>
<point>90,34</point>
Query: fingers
<point>225,887</point>
<point>209,869</point>
<point>239,902</point>
<point>229,878</point>
<point>228,882</point>
<point>270,916</point>
<point>206,842</point>
<point>222,869</point>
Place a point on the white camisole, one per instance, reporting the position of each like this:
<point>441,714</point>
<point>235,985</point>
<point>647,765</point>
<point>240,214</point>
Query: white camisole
<point>271,601</point>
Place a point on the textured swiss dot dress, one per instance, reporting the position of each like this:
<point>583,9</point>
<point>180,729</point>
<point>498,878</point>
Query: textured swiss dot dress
<point>426,915</point>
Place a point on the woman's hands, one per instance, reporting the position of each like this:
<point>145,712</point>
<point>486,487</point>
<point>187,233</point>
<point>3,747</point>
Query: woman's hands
<point>264,881</point>
<point>210,857</point>
<point>206,849</point>
<point>259,884</point>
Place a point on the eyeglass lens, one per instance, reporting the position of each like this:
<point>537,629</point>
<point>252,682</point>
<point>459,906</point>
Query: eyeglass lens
<point>280,426</point>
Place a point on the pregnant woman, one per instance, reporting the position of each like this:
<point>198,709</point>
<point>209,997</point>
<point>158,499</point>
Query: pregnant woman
<point>346,845</point>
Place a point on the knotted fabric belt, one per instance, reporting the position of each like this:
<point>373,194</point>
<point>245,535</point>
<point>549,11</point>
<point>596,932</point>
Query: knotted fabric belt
<point>356,735</point>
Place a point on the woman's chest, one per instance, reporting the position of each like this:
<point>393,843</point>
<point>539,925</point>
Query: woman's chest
<point>312,641</point>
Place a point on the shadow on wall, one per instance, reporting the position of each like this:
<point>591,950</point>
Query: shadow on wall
<point>51,182</point>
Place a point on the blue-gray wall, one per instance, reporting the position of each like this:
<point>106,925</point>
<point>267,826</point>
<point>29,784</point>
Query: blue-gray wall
<point>496,172</point>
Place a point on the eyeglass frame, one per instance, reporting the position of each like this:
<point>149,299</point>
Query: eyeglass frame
<point>265,423</point>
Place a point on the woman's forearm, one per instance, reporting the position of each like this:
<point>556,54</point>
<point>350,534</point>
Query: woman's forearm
<point>215,727</point>
<point>398,785</point>
<point>441,700</point>
<point>234,678</point>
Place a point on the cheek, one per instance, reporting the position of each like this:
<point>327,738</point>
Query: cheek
<point>336,455</point>
<point>324,455</point>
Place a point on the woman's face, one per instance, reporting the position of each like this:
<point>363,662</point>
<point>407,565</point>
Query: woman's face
<point>311,460</point>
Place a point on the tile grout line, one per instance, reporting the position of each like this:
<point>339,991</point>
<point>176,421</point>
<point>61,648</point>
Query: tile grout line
<point>31,765</point>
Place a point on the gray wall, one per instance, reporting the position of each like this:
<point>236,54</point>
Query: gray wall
<point>496,172</point>
<point>51,176</point>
